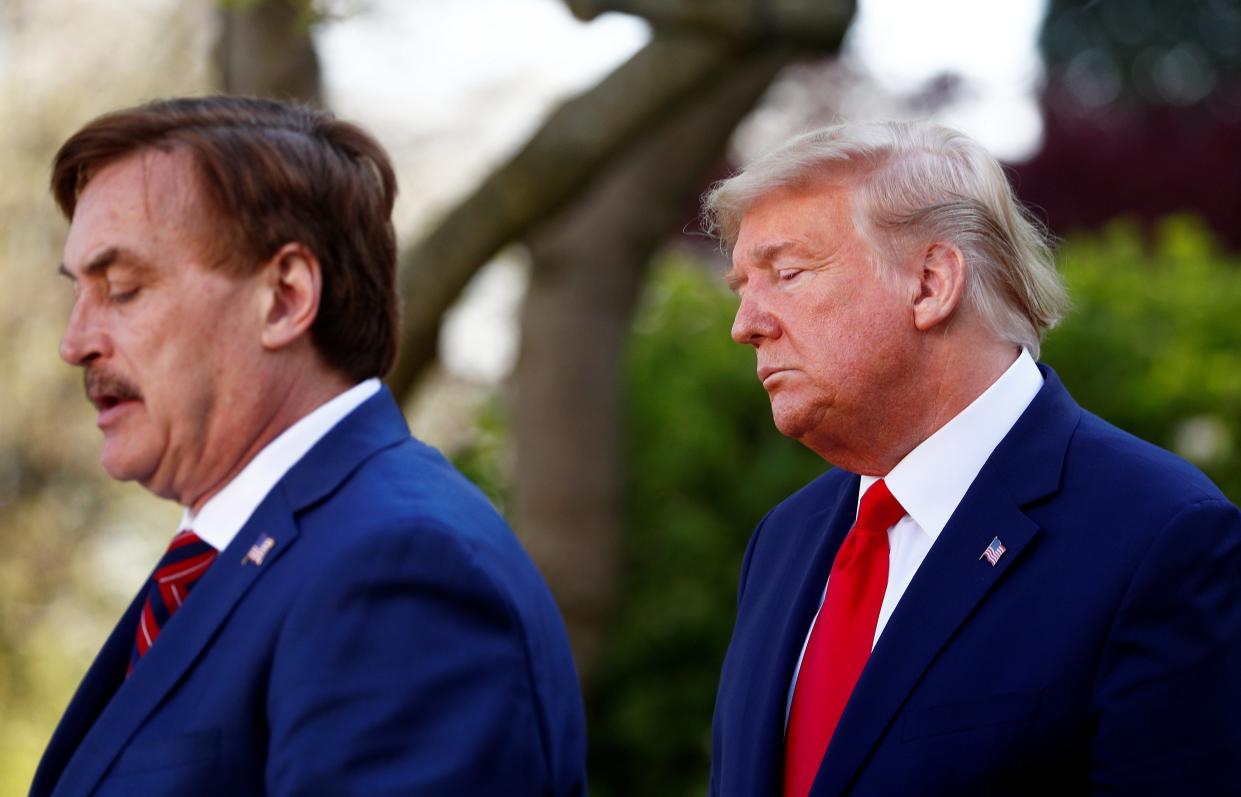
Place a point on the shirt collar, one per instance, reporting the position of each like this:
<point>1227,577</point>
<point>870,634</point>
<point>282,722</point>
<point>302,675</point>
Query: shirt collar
<point>219,520</point>
<point>933,478</point>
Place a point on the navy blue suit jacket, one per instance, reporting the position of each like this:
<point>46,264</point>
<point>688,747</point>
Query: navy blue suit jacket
<point>395,641</point>
<point>1100,656</point>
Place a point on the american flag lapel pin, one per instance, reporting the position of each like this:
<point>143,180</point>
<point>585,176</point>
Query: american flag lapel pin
<point>259,550</point>
<point>994,551</point>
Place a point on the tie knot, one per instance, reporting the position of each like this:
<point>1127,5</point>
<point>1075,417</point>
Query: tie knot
<point>187,558</point>
<point>879,509</point>
<point>186,538</point>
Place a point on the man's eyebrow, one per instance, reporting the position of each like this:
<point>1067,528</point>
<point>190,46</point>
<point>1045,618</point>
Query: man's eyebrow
<point>761,255</point>
<point>105,260</point>
<point>769,252</point>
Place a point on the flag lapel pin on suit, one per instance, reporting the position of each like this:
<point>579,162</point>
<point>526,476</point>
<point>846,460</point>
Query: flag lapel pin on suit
<point>259,550</point>
<point>994,551</point>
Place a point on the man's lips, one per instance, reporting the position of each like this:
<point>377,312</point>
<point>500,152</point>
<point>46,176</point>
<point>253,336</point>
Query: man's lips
<point>109,412</point>
<point>110,395</point>
<point>767,371</point>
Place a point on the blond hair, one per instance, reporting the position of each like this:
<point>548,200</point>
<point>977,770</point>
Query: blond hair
<point>919,182</point>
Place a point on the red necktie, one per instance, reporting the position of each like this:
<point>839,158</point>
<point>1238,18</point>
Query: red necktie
<point>841,639</point>
<point>185,561</point>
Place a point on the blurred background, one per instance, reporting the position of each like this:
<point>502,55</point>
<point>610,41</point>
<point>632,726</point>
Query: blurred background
<point>565,331</point>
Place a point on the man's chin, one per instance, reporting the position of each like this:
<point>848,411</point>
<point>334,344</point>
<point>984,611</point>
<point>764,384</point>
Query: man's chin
<point>796,428</point>
<point>123,465</point>
<point>794,420</point>
<point>809,426</point>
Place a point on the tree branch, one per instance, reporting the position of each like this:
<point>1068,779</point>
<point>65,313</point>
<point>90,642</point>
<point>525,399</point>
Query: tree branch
<point>813,23</point>
<point>589,265</point>
<point>574,142</point>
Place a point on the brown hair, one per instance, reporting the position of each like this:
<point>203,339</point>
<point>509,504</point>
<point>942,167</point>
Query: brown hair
<point>275,174</point>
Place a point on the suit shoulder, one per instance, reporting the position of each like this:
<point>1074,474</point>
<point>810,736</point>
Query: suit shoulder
<point>407,545</point>
<point>405,509</point>
<point>406,523</point>
<point>412,485</point>
<point>1145,473</point>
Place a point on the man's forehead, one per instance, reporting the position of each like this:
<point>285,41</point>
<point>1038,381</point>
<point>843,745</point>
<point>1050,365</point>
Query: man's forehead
<point>791,207</point>
<point>166,180</point>
<point>142,209</point>
<point>766,236</point>
<point>146,192</point>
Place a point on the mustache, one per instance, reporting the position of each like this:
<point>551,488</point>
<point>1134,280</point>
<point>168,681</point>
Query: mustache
<point>98,383</point>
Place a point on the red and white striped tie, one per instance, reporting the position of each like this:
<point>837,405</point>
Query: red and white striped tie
<point>185,561</point>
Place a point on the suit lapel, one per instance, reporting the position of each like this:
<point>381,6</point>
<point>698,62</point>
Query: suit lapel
<point>375,424</point>
<point>954,579</point>
<point>948,586</point>
<point>180,643</point>
<point>788,605</point>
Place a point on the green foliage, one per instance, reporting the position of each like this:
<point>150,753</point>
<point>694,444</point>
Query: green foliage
<point>485,457</point>
<point>704,464</point>
<point>1153,342</point>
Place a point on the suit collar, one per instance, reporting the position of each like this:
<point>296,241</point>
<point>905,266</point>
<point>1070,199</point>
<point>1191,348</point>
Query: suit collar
<point>953,578</point>
<point>222,517</point>
<point>1031,459</point>
<point>87,749</point>
<point>377,424</point>
<point>931,480</point>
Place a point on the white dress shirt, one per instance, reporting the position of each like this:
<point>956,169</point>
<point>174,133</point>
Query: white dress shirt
<point>219,520</point>
<point>933,478</point>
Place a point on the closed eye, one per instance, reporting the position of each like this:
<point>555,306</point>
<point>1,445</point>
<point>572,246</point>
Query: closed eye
<point>123,296</point>
<point>787,274</point>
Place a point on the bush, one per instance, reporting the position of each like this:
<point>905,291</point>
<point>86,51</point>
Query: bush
<point>1153,342</point>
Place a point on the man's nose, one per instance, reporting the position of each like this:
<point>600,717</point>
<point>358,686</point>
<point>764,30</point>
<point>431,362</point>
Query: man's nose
<point>84,338</point>
<point>753,323</point>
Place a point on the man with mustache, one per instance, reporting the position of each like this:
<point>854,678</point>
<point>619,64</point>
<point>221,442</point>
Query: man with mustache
<point>994,592</point>
<point>340,612</point>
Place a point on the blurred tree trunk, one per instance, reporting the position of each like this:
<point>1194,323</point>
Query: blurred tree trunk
<point>694,40</point>
<point>264,50</point>
<point>589,263</point>
<point>570,148</point>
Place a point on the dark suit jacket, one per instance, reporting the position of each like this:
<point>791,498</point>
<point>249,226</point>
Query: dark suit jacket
<point>1101,655</point>
<point>396,640</point>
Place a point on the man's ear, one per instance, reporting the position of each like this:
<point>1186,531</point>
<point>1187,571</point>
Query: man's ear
<point>941,285</point>
<point>295,283</point>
